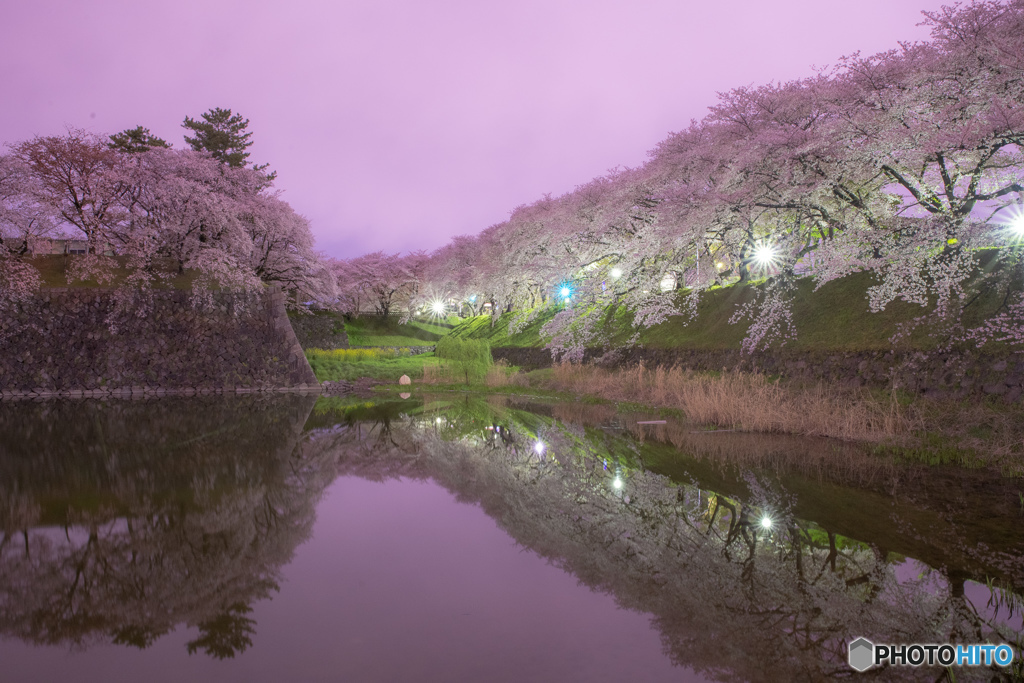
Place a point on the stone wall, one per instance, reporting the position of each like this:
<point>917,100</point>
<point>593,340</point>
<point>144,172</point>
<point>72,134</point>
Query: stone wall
<point>320,330</point>
<point>940,375</point>
<point>78,342</point>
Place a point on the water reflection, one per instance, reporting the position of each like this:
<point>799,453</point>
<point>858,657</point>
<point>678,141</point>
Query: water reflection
<point>123,519</point>
<point>757,558</point>
<point>741,582</point>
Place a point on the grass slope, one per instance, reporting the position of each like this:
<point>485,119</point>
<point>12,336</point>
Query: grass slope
<point>835,317</point>
<point>352,364</point>
<point>372,330</point>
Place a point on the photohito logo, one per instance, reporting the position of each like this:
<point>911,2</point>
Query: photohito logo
<point>863,654</point>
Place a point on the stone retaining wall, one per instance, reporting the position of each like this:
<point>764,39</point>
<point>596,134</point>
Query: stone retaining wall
<point>320,330</point>
<point>75,342</point>
<point>940,375</point>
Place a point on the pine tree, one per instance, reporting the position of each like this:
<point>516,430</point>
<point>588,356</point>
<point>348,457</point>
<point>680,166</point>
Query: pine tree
<point>134,140</point>
<point>224,136</point>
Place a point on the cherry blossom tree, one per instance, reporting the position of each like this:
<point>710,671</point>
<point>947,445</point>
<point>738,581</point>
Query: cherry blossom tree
<point>903,163</point>
<point>382,280</point>
<point>140,205</point>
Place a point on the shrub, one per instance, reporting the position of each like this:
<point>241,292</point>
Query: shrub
<point>468,359</point>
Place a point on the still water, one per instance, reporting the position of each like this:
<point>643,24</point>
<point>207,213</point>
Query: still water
<point>449,538</point>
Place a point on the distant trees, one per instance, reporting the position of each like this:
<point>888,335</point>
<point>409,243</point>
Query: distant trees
<point>378,279</point>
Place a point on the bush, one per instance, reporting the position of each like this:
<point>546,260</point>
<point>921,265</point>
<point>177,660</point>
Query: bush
<point>468,359</point>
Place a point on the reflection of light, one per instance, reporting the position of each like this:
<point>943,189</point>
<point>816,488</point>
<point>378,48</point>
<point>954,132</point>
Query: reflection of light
<point>539,447</point>
<point>616,272</point>
<point>766,522</point>
<point>617,483</point>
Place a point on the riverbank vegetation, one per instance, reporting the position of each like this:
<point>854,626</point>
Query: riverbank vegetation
<point>385,365</point>
<point>894,424</point>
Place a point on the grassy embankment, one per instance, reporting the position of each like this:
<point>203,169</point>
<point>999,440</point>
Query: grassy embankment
<point>836,317</point>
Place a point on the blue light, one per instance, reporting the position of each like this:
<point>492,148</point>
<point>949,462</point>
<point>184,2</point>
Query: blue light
<point>566,292</point>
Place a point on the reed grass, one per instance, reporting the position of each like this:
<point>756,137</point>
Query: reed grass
<point>748,402</point>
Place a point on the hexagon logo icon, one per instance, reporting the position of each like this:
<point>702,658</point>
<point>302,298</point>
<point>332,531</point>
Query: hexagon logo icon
<point>862,654</point>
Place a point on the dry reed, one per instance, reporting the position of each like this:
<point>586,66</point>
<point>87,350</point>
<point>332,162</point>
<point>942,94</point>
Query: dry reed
<point>749,402</point>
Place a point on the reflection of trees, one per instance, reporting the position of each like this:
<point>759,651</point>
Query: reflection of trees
<point>121,520</point>
<point>731,597</point>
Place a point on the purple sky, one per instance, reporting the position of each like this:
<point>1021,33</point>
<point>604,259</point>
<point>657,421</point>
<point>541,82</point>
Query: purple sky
<point>396,124</point>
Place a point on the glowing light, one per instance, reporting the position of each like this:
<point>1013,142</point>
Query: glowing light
<point>472,299</point>
<point>719,265</point>
<point>1017,226</point>
<point>566,292</point>
<point>616,272</point>
<point>438,420</point>
<point>766,522</point>
<point>764,254</point>
<point>617,483</point>
<point>668,283</point>
<point>539,447</point>
<point>437,307</point>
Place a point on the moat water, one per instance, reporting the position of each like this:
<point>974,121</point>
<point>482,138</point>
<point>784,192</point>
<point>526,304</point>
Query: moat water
<point>460,538</point>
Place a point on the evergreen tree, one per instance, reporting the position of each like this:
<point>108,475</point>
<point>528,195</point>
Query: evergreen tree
<point>224,136</point>
<point>134,140</point>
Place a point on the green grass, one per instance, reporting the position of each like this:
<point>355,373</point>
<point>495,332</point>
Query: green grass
<point>836,317</point>
<point>372,330</point>
<point>352,364</point>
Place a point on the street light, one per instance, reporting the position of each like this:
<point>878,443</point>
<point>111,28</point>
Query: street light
<point>764,254</point>
<point>1017,226</point>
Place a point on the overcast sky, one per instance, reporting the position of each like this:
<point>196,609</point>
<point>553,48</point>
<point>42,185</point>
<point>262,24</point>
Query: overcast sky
<point>397,124</point>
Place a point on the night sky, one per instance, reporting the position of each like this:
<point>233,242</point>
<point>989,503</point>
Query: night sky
<point>395,125</point>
